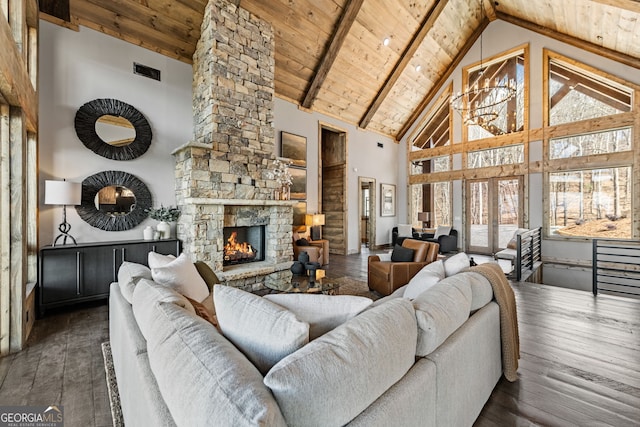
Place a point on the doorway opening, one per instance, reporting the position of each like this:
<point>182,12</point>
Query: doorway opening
<point>333,187</point>
<point>367,214</point>
<point>493,213</point>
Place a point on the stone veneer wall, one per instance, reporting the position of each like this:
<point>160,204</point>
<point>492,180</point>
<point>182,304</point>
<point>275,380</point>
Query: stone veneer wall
<point>233,89</point>
<point>222,176</point>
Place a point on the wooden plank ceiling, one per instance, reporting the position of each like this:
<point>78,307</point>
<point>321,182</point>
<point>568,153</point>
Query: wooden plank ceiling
<point>330,55</point>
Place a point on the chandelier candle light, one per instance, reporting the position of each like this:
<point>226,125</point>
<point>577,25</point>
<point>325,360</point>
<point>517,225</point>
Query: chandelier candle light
<point>478,104</point>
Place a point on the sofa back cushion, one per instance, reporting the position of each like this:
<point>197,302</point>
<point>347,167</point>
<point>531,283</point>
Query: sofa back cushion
<point>440,310</point>
<point>265,332</point>
<point>322,312</point>
<point>481,291</point>
<point>456,264</point>
<point>337,376</point>
<point>202,377</point>
<point>129,274</point>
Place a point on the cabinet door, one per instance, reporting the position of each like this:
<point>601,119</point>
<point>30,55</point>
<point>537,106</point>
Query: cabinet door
<point>134,252</point>
<point>171,247</point>
<point>96,271</point>
<point>60,275</point>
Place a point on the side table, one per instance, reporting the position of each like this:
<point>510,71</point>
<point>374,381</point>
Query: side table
<point>324,244</point>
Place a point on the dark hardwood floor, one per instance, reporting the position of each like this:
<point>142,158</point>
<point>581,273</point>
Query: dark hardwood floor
<point>580,360</point>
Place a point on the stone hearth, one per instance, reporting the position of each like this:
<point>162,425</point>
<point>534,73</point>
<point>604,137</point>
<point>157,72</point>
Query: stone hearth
<point>223,175</point>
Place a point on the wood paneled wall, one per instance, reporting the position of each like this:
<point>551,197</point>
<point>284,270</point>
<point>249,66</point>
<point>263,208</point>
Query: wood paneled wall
<point>18,166</point>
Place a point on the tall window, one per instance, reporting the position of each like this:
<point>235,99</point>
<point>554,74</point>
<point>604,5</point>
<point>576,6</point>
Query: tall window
<point>434,198</point>
<point>510,114</point>
<point>588,197</point>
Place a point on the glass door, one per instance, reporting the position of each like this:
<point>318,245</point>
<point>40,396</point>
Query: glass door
<point>493,213</point>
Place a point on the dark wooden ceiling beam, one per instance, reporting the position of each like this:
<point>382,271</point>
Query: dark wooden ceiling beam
<point>443,79</point>
<point>573,41</point>
<point>348,17</point>
<point>405,58</point>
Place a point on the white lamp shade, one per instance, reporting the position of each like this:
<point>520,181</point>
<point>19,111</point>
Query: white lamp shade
<point>62,193</point>
<point>318,219</point>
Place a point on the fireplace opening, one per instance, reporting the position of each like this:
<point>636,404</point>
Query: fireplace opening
<point>243,244</point>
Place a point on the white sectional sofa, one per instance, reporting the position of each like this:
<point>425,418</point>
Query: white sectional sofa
<point>432,361</point>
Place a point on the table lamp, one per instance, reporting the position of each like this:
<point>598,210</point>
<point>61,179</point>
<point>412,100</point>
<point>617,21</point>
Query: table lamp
<point>424,217</point>
<point>63,193</point>
<point>317,221</point>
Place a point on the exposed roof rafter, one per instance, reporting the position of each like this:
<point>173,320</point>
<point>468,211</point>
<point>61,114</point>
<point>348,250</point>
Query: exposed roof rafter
<point>630,5</point>
<point>574,41</point>
<point>347,19</point>
<point>407,55</point>
<point>443,79</point>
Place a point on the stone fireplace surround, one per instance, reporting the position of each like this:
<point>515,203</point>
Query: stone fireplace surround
<point>223,175</point>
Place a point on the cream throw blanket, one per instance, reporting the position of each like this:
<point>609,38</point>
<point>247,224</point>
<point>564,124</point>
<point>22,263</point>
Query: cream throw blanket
<point>504,296</point>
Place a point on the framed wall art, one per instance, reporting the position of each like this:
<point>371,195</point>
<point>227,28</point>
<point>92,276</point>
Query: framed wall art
<point>299,183</point>
<point>387,200</point>
<point>294,148</point>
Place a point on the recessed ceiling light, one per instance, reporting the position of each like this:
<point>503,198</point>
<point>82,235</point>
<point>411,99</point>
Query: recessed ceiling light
<point>418,68</point>
<point>386,41</point>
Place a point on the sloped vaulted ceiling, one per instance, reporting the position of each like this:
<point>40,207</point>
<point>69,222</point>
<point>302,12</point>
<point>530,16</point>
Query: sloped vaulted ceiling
<point>330,55</point>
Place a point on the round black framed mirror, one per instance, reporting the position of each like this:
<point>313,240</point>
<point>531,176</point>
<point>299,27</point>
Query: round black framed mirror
<point>100,123</point>
<point>114,201</point>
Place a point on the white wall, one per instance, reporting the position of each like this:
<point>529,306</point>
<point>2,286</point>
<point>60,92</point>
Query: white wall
<point>364,158</point>
<point>77,67</point>
<point>499,37</point>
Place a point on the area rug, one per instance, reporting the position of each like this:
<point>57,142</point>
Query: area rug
<point>112,386</point>
<point>351,286</point>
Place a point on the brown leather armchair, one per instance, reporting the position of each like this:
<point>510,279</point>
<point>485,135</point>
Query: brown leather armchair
<point>315,250</point>
<point>385,277</point>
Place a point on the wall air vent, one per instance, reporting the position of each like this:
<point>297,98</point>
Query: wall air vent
<point>380,145</point>
<point>143,70</point>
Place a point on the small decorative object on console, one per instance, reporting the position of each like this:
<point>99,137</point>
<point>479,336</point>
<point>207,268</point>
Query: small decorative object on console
<point>165,216</point>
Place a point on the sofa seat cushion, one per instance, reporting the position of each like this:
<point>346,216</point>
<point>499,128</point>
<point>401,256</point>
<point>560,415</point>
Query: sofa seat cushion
<point>265,332</point>
<point>202,377</point>
<point>322,312</point>
<point>128,275</point>
<point>337,376</point>
<point>441,310</point>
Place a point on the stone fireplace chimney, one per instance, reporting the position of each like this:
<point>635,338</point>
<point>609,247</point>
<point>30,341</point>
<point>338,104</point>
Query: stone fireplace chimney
<point>222,176</point>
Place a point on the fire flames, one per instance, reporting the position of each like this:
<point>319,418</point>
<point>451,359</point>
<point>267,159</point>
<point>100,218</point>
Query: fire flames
<point>238,251</point>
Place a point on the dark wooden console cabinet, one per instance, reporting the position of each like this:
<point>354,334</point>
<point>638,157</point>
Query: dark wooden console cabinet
<point>71,274</point>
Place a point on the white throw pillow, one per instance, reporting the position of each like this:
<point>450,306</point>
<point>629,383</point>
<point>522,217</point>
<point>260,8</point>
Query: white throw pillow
<point>421,282</point>
<point>158,260</point>
<point>405,230</point>
<point>442,230</point>
<point>128,275</point>
<point>321,312</point>
<point>264,331</point>
<point>181,275</point>
<point>384,257</point>
<point>456,264</point>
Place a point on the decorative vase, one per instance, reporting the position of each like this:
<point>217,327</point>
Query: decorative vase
<point>285,192</point>
<point>147,233</point>
<point>297,268</point>
<point>303,257</point>
<point>312,267</point>
<point>165,229</point>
